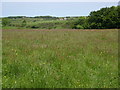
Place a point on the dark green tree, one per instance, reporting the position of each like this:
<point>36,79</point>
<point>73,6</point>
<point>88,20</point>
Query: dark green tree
<point>104,18</point>
<point>6,22</point>
<point>24,23</point>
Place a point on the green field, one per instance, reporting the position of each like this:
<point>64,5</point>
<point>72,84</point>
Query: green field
<point>60,58</point>
<point>33,23</point>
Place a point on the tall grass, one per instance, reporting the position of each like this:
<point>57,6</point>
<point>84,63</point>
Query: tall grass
<point>60,59</point>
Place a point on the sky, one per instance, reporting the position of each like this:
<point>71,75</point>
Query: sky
<point>59,0</point>
<point>58,9</point>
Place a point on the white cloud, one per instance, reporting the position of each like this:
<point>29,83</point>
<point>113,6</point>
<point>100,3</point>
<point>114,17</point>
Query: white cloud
<point>59,0</point>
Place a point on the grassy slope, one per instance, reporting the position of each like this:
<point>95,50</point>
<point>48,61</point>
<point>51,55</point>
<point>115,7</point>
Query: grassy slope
<point>39,23</point>
<point>17,24</point>
<point>60,59</point>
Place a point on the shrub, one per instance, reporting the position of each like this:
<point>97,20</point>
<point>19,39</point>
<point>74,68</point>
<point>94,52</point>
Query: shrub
<point>79,27</point>
<point>5,22</point>
<point>24,23</point>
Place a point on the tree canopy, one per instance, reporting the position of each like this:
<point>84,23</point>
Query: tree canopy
<point>105,18</point>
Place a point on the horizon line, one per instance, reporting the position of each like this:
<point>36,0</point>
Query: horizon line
<point>43,15</point>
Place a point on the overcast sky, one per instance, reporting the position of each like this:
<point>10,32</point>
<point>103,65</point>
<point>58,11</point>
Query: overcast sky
<point>59,0</point>
<point>59,9</point>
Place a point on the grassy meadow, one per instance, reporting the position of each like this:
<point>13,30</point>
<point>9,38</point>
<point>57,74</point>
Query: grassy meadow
<point>59,58</point>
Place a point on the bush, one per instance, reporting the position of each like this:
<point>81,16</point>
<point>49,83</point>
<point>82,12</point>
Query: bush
<point>34,26</point>
<point>5,22</point>
<point>24,23</point>
<point>79,27</point>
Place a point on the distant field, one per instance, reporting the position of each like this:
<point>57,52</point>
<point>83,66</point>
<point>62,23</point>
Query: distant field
<point>60,58</point>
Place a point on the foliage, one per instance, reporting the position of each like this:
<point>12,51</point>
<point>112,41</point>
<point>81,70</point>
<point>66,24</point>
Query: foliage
<point>6,22</point>
<point>46,17</point>
<point>104,18</point>
<point>79,27</point>
<point>24,23</point>
<point>16,17</point>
